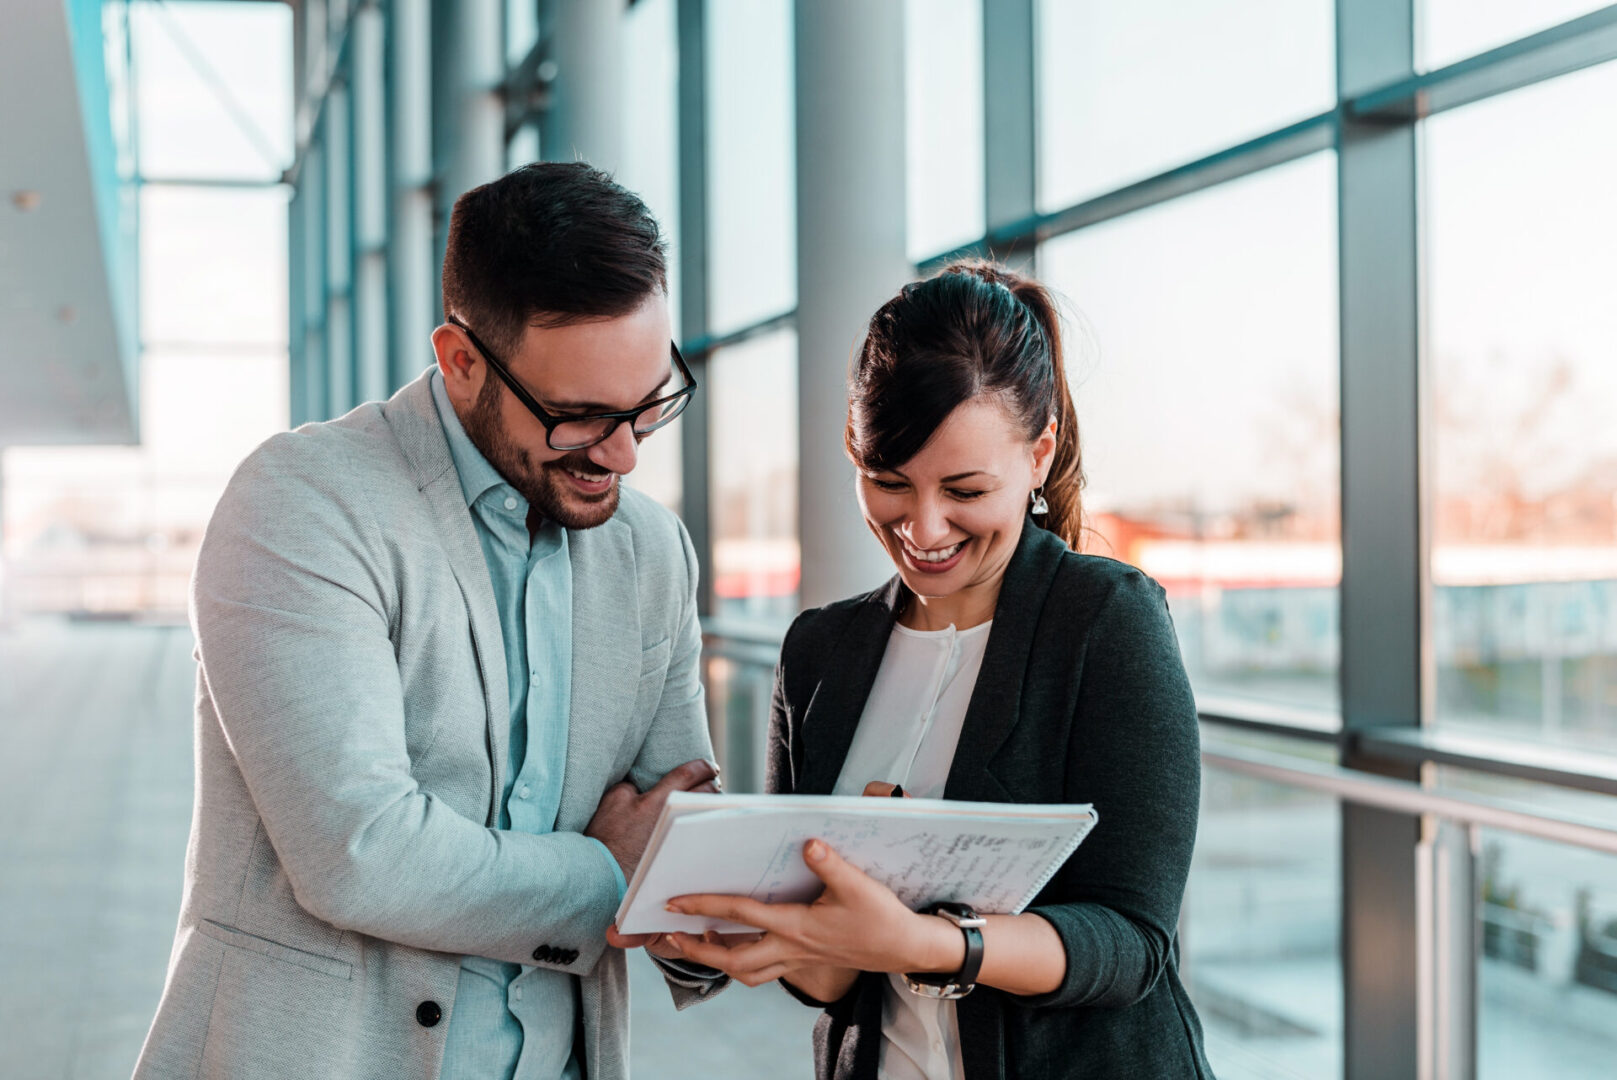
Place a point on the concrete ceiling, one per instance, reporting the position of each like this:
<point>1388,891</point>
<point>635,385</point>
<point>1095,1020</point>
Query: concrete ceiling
<point>67,368</point>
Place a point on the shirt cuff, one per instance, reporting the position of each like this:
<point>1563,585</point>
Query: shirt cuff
<point>617,871</point>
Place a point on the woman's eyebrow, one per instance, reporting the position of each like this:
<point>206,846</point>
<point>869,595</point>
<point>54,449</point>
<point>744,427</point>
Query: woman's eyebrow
<point>963,476</point>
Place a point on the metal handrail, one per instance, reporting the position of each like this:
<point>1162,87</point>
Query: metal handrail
<point>1402,796</point>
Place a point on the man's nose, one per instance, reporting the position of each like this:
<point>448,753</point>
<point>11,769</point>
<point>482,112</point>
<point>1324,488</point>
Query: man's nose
<point>618,451</point>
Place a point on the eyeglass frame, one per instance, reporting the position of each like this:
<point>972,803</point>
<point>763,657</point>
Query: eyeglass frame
<point>551,422</point>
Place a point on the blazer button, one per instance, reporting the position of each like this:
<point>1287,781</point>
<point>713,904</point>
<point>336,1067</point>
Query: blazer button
<point>572,954</point>
<point>428,1013</point>
<point>543,954</point>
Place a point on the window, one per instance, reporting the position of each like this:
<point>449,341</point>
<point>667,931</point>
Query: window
<point>756,560</point>
<point>1204,370</point>
<point>192,62</point>
<point>1523,356</point>
<point>943,86</point>
<point>1260,930</point>
<point>1128,90</point>
<point>751,168</point>
<point>1452,30</point>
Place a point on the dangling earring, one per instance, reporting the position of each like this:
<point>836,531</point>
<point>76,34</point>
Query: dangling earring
<point>1040,507</point>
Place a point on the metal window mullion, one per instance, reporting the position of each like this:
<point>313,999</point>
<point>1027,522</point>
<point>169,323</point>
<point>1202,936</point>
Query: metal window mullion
<point>1387,1023</point>
<point>1010,127</point>
<point>695,478</point>
<point>412,270</point>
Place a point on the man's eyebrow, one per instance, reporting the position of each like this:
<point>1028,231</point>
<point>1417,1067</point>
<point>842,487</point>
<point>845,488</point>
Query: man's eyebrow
<point>598,406</point>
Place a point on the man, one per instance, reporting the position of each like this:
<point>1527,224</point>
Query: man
<point>435,636</point>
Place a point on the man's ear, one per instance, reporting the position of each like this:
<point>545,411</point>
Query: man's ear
<point>463,370</point>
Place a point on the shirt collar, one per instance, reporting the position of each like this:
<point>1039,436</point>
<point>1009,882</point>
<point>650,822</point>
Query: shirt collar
<point>477,476</point>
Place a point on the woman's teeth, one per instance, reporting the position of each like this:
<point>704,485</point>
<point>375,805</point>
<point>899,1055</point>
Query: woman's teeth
<point>940,555</point>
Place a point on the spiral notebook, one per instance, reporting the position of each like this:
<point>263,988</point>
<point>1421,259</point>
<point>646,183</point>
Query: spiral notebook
<point>994,856</point>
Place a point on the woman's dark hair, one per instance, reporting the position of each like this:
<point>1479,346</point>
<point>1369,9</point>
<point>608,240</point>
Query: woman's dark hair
<point>976,329</point>
<point>549,243</point>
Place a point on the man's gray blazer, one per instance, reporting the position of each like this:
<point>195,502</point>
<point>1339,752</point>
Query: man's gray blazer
<point>350,692</point>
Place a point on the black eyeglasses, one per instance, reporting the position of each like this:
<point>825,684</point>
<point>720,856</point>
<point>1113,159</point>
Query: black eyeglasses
<point>580,432</point>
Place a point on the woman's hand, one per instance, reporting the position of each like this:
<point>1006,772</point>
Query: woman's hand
<point>857,922</point>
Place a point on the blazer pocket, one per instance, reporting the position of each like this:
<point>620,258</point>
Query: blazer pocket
<point>240,939</point>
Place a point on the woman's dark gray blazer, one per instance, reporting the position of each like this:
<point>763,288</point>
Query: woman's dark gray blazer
<point>1082,698</point>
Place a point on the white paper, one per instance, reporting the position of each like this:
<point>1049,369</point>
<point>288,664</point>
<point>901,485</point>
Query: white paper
<point>993,856</point>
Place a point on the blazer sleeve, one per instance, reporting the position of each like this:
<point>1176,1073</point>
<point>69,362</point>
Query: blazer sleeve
<point>291,606</point>
<point>679,734</point>
<point>1135,751</point>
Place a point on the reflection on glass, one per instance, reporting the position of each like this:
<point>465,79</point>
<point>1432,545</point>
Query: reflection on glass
<point>943,88</point>
<point>650,148</point>
<point>1206,391</point>
<point>751,167</point>
<point>1523,338</point>
<point>1260,930</point>
<point>1452,30</point>
<point>1127,90</point>
<point>753,454</point>
<point>738,717</point>
<point>187,127</point>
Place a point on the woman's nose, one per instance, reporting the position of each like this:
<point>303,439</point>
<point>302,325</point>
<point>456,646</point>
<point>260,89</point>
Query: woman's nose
<point>928,525</point>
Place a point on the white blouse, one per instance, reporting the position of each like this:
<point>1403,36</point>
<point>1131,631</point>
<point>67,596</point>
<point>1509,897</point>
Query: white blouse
<point>907,735</point>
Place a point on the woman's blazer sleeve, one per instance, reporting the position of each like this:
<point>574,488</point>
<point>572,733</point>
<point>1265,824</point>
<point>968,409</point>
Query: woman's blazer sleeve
<point>1134,753</point>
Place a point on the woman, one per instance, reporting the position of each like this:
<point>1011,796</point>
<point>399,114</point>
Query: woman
<point>996,666</point>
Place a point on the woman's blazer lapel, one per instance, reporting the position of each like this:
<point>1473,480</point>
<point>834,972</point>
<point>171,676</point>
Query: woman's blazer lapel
<point>838,700</point>
<point>849,672</point>
<point>996,701</point>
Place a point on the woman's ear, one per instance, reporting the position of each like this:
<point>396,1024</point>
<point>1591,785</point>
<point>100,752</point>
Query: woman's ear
<point>1044,453</point>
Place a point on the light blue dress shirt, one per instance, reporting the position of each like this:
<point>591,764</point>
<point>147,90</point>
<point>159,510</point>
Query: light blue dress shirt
<point>512,1021</point>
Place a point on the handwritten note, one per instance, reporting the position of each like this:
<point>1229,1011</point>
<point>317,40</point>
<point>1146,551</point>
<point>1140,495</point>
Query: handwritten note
<point>994,856</point>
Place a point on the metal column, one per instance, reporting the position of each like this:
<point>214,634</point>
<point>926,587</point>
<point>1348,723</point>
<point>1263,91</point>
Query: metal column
<point>851,258</point>
<point>412,266</point>
<point>1383,540</point>
<point>584,120</point>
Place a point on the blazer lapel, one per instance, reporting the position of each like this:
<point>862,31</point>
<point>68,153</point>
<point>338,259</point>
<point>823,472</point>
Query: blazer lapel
<point>606,663</point>
<point>996,701</point>
<point>833,712</point>
<point>414,419</point>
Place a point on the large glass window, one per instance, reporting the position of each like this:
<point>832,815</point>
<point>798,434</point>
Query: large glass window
<point>943,86</point>
<point>1521,277</point>
<point>1452,30</point>
<point>1127,90</point>
<point>751,165</point>
<point>196,122</point>
<point>1260,930</point>
<point>756,556</point>
<point>1203,360</point>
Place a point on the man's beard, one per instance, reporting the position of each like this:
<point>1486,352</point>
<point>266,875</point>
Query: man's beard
<point>548,492</point>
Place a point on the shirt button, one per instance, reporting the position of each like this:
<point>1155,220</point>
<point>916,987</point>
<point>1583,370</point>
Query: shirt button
<point>533,677</point>
<point>516,992</point>
<point>510,503</point>
<point>525,792</point>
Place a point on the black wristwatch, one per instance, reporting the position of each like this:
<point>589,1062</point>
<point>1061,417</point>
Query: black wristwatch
<point>934,984</point>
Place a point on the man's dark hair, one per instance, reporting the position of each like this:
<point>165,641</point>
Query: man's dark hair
<point>549,244</point>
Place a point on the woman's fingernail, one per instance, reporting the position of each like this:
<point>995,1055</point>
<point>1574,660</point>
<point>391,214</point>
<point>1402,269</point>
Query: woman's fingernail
<point>675,908</point>
<point>816,850</point>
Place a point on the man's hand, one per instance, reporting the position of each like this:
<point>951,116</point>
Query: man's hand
<point>623,822</point>
<point>624,819</point>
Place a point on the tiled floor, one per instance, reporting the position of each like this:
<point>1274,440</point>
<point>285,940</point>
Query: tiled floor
<point>95,806</point>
